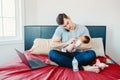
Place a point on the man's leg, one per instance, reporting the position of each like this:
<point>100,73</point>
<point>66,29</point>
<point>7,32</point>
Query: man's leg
<point>65,60</point>
<point>86,57</point>
<point>60,58</point>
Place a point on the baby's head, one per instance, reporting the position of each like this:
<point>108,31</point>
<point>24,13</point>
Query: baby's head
<point>85,39</point>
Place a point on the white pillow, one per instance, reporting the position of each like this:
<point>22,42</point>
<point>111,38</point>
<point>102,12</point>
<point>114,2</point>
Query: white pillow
<point>97,46</point>
<point>41,46</point>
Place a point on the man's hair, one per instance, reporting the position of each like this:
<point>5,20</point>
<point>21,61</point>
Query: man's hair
<point>60,18</point>
<point>87,39</point>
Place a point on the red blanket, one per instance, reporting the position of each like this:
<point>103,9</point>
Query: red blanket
<point>16,70</point>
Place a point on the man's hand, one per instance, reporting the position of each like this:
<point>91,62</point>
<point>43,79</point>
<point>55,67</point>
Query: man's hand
<point>72,40</point>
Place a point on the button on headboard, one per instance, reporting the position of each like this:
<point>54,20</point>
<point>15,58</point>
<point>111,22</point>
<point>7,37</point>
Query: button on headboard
<point>46,31</point>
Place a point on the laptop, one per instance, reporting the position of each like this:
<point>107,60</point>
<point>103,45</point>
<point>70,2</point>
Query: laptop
<point>32,63</point>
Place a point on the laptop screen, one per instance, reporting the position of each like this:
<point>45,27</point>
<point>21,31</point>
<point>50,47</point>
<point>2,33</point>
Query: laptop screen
<point>22,57</point>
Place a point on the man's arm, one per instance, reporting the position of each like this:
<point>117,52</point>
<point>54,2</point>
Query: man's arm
<point>84,45</point>
<point>57,44</point>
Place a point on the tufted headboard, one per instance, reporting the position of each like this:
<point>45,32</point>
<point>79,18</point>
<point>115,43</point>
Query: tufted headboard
<point>46,31</point>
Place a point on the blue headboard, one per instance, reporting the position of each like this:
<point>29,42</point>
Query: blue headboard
<point>46,31</point>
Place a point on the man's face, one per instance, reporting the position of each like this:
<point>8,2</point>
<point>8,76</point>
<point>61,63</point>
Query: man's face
<point>67,24</point>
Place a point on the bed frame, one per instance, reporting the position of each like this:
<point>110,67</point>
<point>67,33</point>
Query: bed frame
<point>17,70</point>
<point>46,31</point>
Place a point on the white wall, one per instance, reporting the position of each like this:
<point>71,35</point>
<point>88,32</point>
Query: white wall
<point>30,11</point>
<point>7,51</point>
<point>86,12</point>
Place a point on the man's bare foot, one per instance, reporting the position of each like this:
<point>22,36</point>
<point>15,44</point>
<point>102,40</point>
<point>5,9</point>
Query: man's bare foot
<point>91,68</point>
<point>100,64</point>
<point>48,61</point>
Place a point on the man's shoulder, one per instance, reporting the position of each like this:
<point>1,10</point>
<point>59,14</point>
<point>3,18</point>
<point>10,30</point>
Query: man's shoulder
<point>60,29</point>
<point>80,26</point>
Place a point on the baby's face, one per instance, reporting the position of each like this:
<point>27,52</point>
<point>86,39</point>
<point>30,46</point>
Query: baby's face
<point>82,39</point>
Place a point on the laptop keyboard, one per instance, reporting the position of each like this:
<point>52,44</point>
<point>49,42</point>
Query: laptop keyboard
<point>34,63</point>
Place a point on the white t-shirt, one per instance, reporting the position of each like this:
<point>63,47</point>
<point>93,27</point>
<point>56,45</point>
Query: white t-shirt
<point>66,36</point>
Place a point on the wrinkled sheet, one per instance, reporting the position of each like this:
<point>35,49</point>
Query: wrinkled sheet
<point>16,70</point>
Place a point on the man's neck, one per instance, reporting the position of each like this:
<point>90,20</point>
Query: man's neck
<point>73,28</point>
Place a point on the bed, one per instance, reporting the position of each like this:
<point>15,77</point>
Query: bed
<point>16,70</point>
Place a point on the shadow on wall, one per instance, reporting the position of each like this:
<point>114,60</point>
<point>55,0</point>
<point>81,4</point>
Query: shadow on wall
<point>110,49</point>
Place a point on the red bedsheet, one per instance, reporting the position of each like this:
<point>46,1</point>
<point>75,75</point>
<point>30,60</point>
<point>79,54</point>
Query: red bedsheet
<point>16,70</point>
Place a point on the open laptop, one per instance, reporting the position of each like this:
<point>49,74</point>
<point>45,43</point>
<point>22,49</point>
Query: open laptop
<point>32,63</point>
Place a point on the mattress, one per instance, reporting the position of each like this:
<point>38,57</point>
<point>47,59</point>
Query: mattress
<point>17,70</point>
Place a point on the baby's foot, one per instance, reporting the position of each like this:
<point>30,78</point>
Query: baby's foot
<point>100,64</point>
<point>91,68</point>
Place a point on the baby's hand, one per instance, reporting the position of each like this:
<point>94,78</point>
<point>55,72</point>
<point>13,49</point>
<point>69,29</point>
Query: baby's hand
<point>70,48</point>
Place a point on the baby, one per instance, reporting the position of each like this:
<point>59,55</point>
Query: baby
<point>76,43</point>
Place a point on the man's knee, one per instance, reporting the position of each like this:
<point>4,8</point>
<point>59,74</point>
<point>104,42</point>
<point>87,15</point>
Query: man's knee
<point>92,53</point>
<point>52,54</point>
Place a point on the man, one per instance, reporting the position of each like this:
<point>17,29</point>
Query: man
<point>64,35</point>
